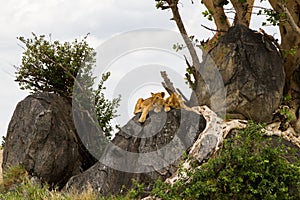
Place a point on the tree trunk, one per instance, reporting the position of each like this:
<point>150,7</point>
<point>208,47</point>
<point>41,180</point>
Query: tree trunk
<point>220,19</point>
<point>217,11</point>
<point>243,11</point>
<point>290,41</point>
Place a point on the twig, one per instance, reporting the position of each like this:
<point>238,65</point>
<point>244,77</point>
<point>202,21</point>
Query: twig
<point>215,30</point>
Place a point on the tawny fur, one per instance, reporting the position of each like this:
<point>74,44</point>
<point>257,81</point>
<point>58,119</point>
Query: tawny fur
<point>156,102</point>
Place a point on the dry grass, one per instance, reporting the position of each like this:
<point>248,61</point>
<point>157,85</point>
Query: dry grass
<point>17,186</point>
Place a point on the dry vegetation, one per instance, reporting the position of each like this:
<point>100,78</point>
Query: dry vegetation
<point>16,184</point>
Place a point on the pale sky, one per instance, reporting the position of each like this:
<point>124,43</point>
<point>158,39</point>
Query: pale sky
<point>66,20</point>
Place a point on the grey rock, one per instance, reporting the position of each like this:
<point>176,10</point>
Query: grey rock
<point>144,152</point>
<point>42,138</point>
<point>252,71</point>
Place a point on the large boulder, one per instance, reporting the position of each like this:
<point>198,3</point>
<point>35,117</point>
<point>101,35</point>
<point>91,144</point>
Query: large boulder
<point>252,70</point>
<point>42,138</point>
<point>144,152</point>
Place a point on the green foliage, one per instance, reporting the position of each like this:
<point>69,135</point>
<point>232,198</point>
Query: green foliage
<point>247,167</point>
<point>273,17</point>
<point>292,51</point>
<point>159,4</point>
<point>287,99</point>
<point>208,14</point>
<point>3,142</point>
<point>178,47</point>
<point>136,193</point>
<point>52,66</point>
<point>285,116</point>
<point>285,111</point>
<point>105,109</point>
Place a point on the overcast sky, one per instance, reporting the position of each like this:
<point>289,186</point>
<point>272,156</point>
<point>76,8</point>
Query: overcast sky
<point>66,20</point>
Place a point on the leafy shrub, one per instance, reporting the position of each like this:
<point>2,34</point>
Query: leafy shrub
<point>247,167</point>
<point>53,67</point>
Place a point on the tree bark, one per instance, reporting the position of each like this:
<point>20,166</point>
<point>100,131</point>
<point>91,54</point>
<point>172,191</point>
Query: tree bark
<point>220,19</point>
<point>243,11</point>
<point>218,14</point>
<point>289,26</point>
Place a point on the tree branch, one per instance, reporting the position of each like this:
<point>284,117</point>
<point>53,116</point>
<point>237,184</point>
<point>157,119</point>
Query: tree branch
<point>180,25</point>
<point>173,5</point>
<point>290,18</point>
<point>218,13</point>
<point>243,11</point>
<point>167,84</point>
<point>210,29</point>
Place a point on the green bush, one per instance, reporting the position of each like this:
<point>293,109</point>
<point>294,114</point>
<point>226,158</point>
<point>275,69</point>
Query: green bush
<point>249,166</point>
<point>52,66</point>
<point>105,109</point>
<point>55,67</point>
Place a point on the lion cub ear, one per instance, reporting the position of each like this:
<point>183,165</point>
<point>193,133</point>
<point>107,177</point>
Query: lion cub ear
<point>152,94</point>
<point>162,94</point>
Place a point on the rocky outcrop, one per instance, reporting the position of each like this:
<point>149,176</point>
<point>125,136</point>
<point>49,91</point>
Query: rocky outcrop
<point>217,129</point>
<point>42,138</point>
<point>252,71</point>
<point>144,152</point>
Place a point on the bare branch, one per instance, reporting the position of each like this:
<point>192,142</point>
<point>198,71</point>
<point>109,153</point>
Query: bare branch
<point>210,29</point>
<point>290,18</point>
<point>173,4</point>
<point>167,84</point>
<point>180,25</point>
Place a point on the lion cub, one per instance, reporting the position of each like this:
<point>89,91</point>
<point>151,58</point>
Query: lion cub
<point>156,102</point>
<point>173,101</point>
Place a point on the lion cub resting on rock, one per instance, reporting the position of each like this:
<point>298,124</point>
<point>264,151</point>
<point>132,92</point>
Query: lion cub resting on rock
<point>156,102</point>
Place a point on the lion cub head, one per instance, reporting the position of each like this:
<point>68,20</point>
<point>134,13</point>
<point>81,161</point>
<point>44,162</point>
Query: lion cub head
<point>158,101</point>
<point>173,101</point>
